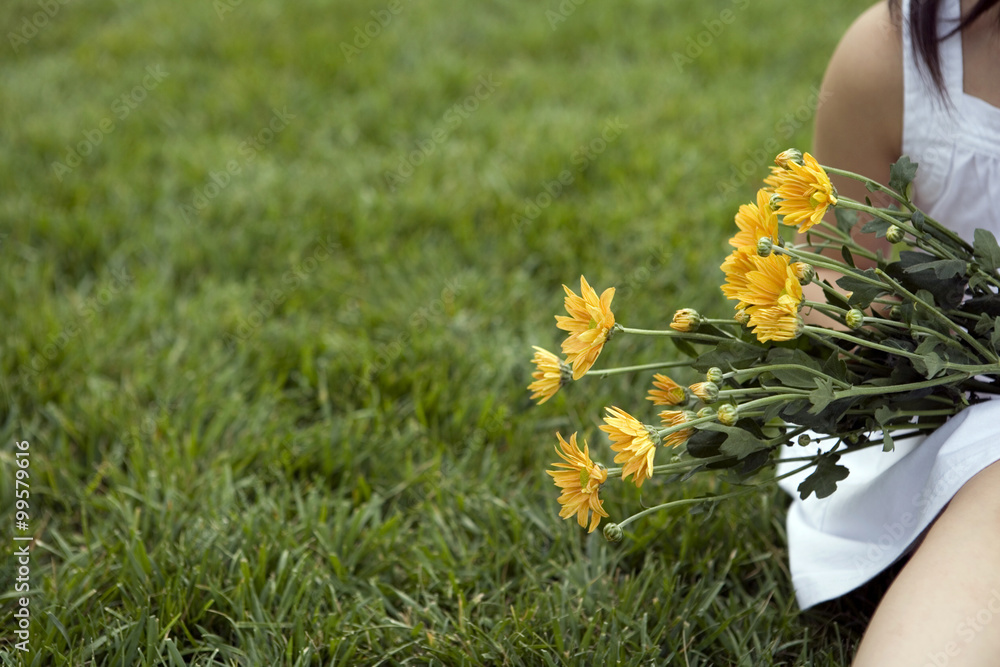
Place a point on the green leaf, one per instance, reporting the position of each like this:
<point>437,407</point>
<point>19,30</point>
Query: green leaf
<point>793,377</point>
<point>929,365</point>
<point>845,252</point>
<point>995,336</point>
<point>986,250</point>
<point>862,292</point>
<point>943,268</point>
<point>685,347</point>
<point>846,219</point>
<point>901,174</point>
<point>739,442</point>
<point>876,226</point>
<point>729,354</point>
<point>823,480</point>
<point>821,396</point>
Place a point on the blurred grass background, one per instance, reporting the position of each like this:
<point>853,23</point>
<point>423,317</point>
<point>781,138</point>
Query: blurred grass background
<point>270,285</point>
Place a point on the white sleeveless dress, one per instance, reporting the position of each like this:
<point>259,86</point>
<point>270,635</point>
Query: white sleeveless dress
<point>840,542</point>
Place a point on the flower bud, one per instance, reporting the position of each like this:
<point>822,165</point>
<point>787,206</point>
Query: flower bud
<point>894,234</point>
<point>854,318</point>
<point>764,246</point>
<point>686,320</point>
<point>789,155</point>
<point>613,532</point>
<point>896,313</point>
<point>741,316</point>
<point>804,273</point>
<point>804,439</point>
<point>714,374</point>
<point>775,202</point>
<point>706,412</point>
<point>705,391</point>
<point>728,414</point>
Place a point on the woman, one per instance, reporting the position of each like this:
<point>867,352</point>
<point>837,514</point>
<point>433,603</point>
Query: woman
<point>910,78</point>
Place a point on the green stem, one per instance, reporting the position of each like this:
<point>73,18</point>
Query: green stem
<point>670,333</point>
<point>603,373</point>
<point>934,312</point>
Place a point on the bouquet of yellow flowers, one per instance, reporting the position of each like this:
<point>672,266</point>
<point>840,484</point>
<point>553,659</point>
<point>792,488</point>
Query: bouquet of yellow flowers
<point>912,341</point>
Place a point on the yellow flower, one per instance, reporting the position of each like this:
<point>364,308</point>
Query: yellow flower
<point>805,192</point>
<point>666,391</point>
<point>671,418</point>
<point>580,481</point>
<point>633,442</point>
<point>550,375</point>
<point>772,277</point>
<point>589,324</point>
<point>768,290</point>
<point>778,322</point>
<point>736,267</point>
<point>686,320</point>
<point>756,221</point>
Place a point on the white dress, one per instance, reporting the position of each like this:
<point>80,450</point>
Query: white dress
<point>840,542</point>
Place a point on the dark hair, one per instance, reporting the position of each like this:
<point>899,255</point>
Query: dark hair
<point>923,28</point>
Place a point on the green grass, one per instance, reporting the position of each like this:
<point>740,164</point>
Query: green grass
<point>283,422</point>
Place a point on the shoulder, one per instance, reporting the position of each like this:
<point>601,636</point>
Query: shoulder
<point>859,120</point>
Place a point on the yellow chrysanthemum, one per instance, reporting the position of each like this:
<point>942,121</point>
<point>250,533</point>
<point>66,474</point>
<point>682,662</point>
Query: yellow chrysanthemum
<point>551,373</point>
<point>771,278</point>
<point>633,442</point>
<point>805,192</point>
<point>670,418</point>
<point>756,221</point>
<point>768,290</point>
<point>736,267</point>
<point>580,480</point>
<point>779,322</point>
<point>589,324</point>
<point>665,391</point>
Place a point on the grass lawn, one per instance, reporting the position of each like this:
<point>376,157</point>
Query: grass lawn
<point>271,277</point>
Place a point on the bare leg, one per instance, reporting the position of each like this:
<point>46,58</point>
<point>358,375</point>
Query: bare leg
<point>944,607</point>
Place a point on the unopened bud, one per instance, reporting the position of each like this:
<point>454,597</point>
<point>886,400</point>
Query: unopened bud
<point>804,273</point>
<point>613,533</point>
<point>789,155</point>
<point>706,412</point>
<point>775,202</point>
<point>714,374</point>
<point>804,439</point>
<point>894,234</point>
<point>686,320</point>
<point>854,318</point>
<point>896,313</point>
<point>728,414</point>
<point>764,246</point>
<point>705,391</point>
<point>742,316</point>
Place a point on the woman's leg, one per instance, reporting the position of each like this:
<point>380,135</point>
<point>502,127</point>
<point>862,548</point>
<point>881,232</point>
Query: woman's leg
<point>944,607</point>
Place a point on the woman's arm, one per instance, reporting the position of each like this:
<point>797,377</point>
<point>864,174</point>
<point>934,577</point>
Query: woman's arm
<point>859,121</point>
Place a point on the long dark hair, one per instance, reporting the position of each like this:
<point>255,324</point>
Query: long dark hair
<point>923,28</point>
